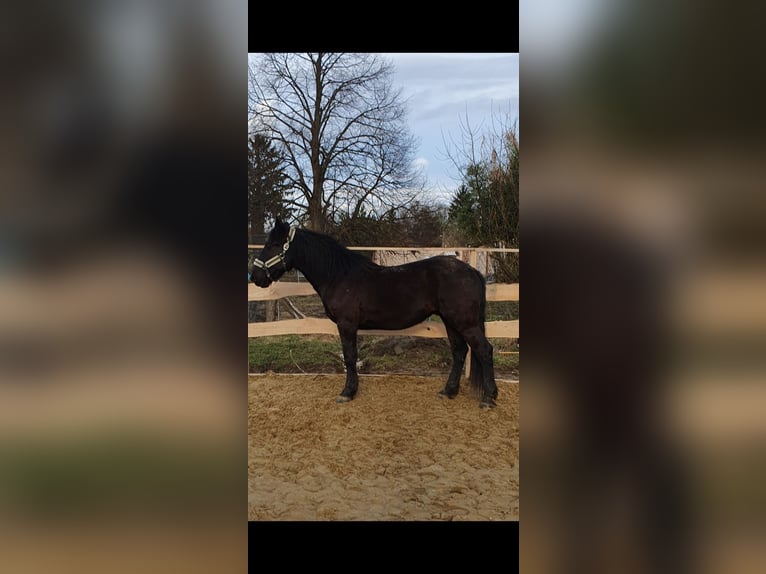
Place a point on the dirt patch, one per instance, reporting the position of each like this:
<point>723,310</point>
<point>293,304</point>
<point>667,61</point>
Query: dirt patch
<point>397,452</point>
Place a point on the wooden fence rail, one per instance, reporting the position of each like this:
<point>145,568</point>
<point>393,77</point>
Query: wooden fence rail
<point>429,329</point>
<point>424,249</point>
<point>280,289</point>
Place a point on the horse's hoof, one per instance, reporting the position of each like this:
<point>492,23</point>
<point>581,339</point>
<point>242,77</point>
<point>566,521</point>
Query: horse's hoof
<point>342,399</point>
<point>487,404</point>
<point>443,394</point>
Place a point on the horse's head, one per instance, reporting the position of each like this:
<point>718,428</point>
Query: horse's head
<point>274,259</point>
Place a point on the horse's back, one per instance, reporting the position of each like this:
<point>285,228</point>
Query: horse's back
<point>451,271</point>
<point>441,271</point>
<point>440,263</point>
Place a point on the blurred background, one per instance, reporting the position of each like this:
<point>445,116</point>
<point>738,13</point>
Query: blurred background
<point>644,318</point>
<point>122,332</point>
<point>122,401</point>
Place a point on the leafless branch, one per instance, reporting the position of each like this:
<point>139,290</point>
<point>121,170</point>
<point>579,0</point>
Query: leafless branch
<point>342,125</point>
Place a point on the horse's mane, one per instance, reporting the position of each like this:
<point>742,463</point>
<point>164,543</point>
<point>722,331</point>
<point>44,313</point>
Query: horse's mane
<point>327,258</point>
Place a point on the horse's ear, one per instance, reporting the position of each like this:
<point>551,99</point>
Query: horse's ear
<point>282,225</point>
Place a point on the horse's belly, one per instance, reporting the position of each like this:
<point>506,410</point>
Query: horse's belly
<point>400,316</point>
<point>388,304</point>
<point>394,322</point>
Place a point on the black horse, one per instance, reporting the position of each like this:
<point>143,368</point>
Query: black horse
<point>359,294</point>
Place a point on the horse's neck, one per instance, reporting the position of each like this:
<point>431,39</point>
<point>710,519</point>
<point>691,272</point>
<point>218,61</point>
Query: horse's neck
<point>317,282</point>
<point>315,269</point>
<point>312,270</point>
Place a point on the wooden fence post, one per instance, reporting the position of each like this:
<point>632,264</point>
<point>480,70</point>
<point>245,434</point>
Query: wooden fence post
<point>271,311</point>
<point>473,260</point>
<point>468,364</point>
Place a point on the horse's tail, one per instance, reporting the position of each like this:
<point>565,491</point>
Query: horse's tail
<point>477,373</point>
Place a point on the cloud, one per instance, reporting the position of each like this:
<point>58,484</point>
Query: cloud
<point>420,164</point>
<point>446,90</point>
<point>441,85</point>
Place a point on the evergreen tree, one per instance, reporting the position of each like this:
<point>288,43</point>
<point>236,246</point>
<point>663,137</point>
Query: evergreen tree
<point>266,184</point>
<point>485,209</point>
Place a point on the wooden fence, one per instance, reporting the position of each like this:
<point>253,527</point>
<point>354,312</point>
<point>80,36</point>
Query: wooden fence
<point>428,329</point>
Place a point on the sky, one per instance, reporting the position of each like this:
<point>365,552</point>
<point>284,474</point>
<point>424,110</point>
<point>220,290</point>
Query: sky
<point>443,90</point>
<point>446,88</point>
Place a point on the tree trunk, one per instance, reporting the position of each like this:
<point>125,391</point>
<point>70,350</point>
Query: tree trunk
<point>316,220</point>
<point>257,215</point>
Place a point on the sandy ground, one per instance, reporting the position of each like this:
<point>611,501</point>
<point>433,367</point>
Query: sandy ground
<point>397,452</point>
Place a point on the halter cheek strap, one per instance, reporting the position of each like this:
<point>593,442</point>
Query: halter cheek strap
<point>266,265</point>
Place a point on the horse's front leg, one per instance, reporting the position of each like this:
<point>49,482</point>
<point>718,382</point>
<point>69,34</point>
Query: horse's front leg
<point>348,340</point>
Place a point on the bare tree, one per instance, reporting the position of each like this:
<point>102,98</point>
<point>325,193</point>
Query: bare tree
<point>342,126</point>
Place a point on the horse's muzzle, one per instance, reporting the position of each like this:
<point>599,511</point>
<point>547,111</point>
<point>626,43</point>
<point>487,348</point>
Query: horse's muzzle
<point>259,278</point>
<point>265,282</point>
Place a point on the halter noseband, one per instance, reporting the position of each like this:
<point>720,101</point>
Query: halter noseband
<point>266,265</point>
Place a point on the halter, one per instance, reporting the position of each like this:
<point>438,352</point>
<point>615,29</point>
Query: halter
<point>266,265</point>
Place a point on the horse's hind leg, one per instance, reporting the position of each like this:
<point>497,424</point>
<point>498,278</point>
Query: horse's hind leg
<point>459,351</point>
<point>482,352</point>
<point>348,340</point>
